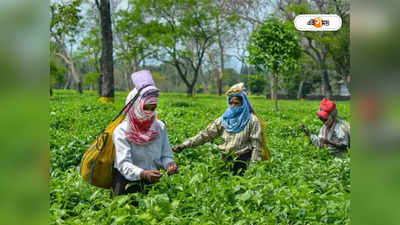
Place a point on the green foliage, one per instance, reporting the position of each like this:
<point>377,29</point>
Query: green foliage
<point>257,84</point>
<point>339,47</point>
<point>57,74</point>
<point>175,23</point>
<point>91,46</point>
<point>301,185</point>
<point>179,32</point>
<point>131,27</point>
<point>330,49</point>
<point>231,77</point>
<point>65,19</point>
<point>90,80</point>
<point>274,47</point>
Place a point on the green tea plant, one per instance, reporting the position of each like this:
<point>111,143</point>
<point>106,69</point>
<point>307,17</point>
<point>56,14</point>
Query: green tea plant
<point>300,185</point>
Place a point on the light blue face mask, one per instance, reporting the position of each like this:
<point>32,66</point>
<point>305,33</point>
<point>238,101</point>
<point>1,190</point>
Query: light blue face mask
<point>236,118</point>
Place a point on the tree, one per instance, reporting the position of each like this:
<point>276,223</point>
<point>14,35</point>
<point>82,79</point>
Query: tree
<point>91,48</point>
<point>180,32</point>
<point>131,47</point>
<point>308,74</point>
<point>90,80</point>
<point>64,26</point>
<point>339,45</point>
<point>106,79</point>
<point>274,47</point>
<point>225,24</point>
<point>325,48</point>
<point>251,14</point>
<point>257,84</point>
<point>57,73</point>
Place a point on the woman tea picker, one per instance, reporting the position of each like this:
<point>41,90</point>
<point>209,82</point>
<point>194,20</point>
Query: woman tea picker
<point>335,132</point>
<point>240,129</point>
<point>141,141</point>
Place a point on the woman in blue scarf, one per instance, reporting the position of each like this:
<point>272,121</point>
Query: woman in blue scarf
<point>240,129</point>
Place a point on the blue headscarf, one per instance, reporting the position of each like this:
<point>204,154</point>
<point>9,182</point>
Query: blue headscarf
<point>236,118</point>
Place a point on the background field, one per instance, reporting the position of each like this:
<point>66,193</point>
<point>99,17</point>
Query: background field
<point>301,185</point>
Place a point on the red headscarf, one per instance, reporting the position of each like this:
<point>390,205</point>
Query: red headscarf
<point>326,107</point>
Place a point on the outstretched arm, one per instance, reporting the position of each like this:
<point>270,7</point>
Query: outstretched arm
<point>318,140</point>
<point>212,131</point>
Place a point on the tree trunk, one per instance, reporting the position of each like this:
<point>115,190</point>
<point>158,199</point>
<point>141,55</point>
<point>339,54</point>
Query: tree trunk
<point>321,57</point>
<point>300,90</point>
<point>190,91</point>
<point>73,74</point>
<point>191,87</point>
<point>272,87</point>
<point>219,86</point>
<point>248,77</point>
<point>204,82</point>
<point>276,104</point>
<point>51,91</point>
<point>128,81</point>
<point>218,73</point>
<point>68,82</point>
<point>206,90</point>
<point>135,64</point>
<point>99,83</point>
<point>326,87</point>
<point>221,64</point>
<point>275,90</point>
<point>106,59</point>
<point>347,82</point>
<point>134,68</point>
<point>80,82</point>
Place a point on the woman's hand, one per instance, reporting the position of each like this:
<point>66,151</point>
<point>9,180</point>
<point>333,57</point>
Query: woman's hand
<point>172,168</point>
<point>305,130</point>
<point>178,148</point>
<point>151,176</point>
<point>325,141</point>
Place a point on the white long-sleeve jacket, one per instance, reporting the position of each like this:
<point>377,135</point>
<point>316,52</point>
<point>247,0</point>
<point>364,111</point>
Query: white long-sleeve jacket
<point>132,159</point>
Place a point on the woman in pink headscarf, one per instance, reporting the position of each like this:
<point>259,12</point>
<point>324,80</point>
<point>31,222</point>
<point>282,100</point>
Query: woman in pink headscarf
<point>141,141</point>
<point>335,132</point>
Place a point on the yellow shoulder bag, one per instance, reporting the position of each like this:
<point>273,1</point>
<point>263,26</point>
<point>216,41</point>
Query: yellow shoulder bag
<point>264,153</point>
<point>98,160</point>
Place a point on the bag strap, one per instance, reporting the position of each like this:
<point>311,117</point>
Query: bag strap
<point>130,103</point>
<point>127,106</point>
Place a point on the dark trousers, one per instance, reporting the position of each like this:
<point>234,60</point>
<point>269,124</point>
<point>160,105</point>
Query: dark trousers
<point>237,164</point>
<point>338,152</point>
<point>119,185</point>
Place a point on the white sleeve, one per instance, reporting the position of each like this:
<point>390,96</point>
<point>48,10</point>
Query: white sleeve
<point>343,134</point>
<point>167,155</point>
<point>123,161</point>
<point>316,139</point>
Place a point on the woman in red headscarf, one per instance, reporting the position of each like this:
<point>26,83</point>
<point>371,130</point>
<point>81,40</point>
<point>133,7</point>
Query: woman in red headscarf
<point>335,132</point>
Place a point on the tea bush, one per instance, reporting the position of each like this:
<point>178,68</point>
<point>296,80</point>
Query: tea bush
<point>301,185</point>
